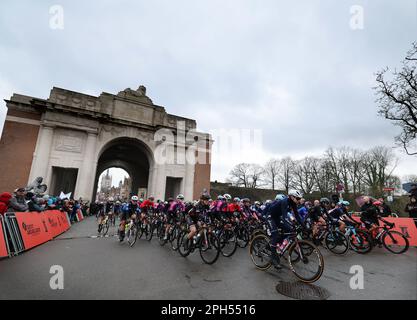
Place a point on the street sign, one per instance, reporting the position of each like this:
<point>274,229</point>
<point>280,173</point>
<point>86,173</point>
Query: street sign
<point>390,199</point>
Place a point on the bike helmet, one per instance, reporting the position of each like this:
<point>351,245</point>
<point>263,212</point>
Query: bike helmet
<point>180,197</point>
<point>220,197</point>
<point>325,200</point>
<point>377,203</point>
<point>227,196</point>
<point>257,203</point>
<point>280,197</point>
<point>205,197</point>
<point>295,193</point>
<point>151,198</point>
<point>237,199</point>
<point>134,198</point>
<point>344,203</point>
<point>268,201</point>
<point>245,200</point>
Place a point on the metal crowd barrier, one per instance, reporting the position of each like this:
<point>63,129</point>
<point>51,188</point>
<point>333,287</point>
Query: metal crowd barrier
<point>13,234</point>
<point>3,226</point>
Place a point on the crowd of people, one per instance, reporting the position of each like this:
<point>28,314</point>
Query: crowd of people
<point>26,200</point>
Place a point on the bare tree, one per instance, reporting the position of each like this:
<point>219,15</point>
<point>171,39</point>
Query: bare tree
<point>303,175</point>
<point>356,171</point>
<point>322,174</point>
<point>246,175</point>
<point>285,175</point>
<point>271,171</point>
<point>379,164</point>
<point>397,99</point>
<point>255,176</point>
<point>239,175</point>
<point>410,178</point>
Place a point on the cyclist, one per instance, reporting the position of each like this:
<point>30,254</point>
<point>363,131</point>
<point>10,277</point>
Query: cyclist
<point>275,212</point>
<point>369,214</point>
<point>195,215</point>
<point>117,209</point>
<point>109,209</point>
<point>101,214</point>
<point>146,207</point>
<point>335,215</point>
<point>235,209</point>
<point>217,207</point>
<point>129,211</point>
<point>175,208</point>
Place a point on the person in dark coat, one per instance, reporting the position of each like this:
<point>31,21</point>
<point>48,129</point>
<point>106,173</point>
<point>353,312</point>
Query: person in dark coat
<point>411,208</point>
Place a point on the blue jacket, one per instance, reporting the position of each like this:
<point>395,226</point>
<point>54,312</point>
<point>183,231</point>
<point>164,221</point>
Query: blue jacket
<point>278,210</point>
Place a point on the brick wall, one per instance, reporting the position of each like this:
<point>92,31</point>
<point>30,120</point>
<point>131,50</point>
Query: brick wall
<point>17,145</point>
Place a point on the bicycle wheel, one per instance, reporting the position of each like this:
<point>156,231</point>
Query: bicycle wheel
<point>209,248</point>
<point>132,235</point>
<point>149,232</point>
<point>260,251</point>
<point>139,230</point>
<point>228,243</point>
<point>173,237</point>
<point>242,238</point>
<point>395,242</point>
<point>305,261</point>
<point>360,242</point>
<point>100,228</point>
<point>105,228</point>
<point>182,239</point>
<point>336,242</point>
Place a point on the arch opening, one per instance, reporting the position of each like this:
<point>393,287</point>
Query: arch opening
<point>133,157</point>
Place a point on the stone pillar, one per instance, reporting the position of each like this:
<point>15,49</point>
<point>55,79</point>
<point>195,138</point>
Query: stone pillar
<point>40,164</point>
<point>86,175</point>
<point>189,181</point>
<point>159,181</point>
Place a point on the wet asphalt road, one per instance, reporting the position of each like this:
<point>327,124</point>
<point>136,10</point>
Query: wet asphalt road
<point>102,268</point>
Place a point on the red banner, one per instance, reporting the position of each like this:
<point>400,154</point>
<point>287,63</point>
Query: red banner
<point>57,222</point>
<point>3,247</point>
<point>34,228</point>
<point>404,225</point>
<point>80,216</point>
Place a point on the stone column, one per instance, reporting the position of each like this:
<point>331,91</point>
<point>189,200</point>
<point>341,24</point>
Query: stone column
<point>159,181</point>
<point>40,163</point>
<point>189,180</point>
<point>86,175</point>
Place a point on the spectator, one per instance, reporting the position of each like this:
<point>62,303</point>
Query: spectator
<point>18,202</point>
<point>35,204</point>
<point>411,208</point>
<point>413,191</point>
<point>384,209</point>
<point>4,202</point>
<point>75,206</point>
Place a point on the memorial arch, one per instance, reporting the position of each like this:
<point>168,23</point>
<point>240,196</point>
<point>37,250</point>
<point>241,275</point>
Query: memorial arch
<point>71,137</point>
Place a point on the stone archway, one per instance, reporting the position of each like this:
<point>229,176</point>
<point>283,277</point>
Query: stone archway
<point>129,154</point>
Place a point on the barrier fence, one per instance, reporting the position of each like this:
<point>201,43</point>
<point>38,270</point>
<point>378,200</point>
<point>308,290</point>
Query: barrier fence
<point>4,246</point>
<point>24,230</point>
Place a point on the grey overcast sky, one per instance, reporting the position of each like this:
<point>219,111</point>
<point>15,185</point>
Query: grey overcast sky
<point>294,69</point>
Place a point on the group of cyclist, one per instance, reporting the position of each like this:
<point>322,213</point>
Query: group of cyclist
<point>273,212</point>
